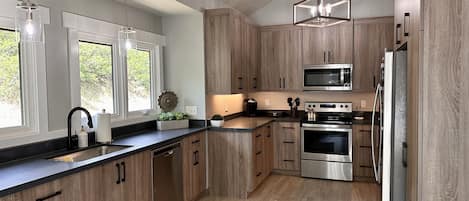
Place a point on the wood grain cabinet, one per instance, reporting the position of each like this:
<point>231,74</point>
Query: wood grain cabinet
<point>286,137</point>
<point>231,45</point>
<point>362,157</point>
<point>281,58</point>
<point>371,37</point>
<point>331,45</point>
<point>128,178</point>
<point>238,161</point>
<point>194,171</point>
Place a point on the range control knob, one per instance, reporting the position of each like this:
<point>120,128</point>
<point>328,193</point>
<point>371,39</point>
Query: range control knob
<point>346,106</point>
<point>314,105</point>
<point>341,106</point>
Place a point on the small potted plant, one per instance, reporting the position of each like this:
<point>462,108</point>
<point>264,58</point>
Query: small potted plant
<point>217,121</point>
<point>172,120</point>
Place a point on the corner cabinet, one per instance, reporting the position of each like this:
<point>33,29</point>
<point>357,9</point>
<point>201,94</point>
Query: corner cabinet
<point>286,140</point>
<point>230,52</point>
<point>281,67</point>
<point>371,37</point>
<point>194,175</point>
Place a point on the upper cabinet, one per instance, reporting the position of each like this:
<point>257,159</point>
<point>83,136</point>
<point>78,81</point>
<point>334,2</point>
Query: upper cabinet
<point>230,52</point>
<point>281,58</point>
<point>371,37</point>
<point>331,45</point>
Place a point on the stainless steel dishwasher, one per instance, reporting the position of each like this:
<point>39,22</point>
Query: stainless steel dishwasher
<point>167,173</point>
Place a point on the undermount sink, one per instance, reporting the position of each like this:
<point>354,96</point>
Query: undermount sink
<point>89,153</point>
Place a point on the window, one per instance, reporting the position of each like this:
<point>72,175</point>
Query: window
<point>96,73</point>
<point>11,114</point>
<point>139,80</point>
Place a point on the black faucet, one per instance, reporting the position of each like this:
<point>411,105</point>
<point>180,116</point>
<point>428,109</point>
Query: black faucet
<point>69,124</point>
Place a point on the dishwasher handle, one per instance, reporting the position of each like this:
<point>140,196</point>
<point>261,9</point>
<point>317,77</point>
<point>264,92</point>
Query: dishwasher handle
<point>166,151</point>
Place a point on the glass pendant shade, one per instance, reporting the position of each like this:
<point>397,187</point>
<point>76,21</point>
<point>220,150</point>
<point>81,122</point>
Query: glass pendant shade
<point>28,22</point>
<point>321,13</point>
<point>127,38</point>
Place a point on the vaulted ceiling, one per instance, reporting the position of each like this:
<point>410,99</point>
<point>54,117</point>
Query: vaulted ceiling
<point>247,6</point>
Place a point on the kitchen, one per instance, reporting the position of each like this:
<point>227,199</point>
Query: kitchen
<point>267,104</point>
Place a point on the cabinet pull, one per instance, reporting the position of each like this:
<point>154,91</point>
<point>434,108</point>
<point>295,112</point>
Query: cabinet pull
<point>398,31</point>
<point>406,23</point>
<point>404,154</point>
<point>195,158</point>
<point>365,131</point>
<point>288,160</point>
<point>50,196</point>
<point>123,171</point>
<point>280,83</point>
<point>118,173</point>
<point>258,174</point>
<point>240,83</point>
<point>255,83</point>
<point>269,135</point>
<point>288,142</point>
<point>288,127</point>
<point>329,55</point>
<point>284,86</point>
<point>195,141</point>
<point>258,135</point>
<point>324,57</point>
<point>259,153</point>
<point>374,81</point>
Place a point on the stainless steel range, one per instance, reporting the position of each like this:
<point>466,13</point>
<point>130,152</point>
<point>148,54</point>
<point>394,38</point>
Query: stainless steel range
<point>326,141</point>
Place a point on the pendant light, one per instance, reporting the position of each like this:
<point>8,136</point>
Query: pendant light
<point>28,23</point>
<point>321,13</point>
<point>127,35</point>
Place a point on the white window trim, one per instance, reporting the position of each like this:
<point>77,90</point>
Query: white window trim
<point>34,83</point>
<point>92,30</point>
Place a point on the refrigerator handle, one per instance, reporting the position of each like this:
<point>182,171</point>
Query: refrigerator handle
<point>404,154</point>
<point>375,165</point>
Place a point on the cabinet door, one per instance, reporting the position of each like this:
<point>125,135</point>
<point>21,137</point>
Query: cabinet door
<point>268,150</point>
<point>269,71</point>
<point>286,146</point>
<point>253,57</point>
<point>112,180</point>
<point>237,55</point>
<point>372,37</point>
<point>339,43</point>
<point>137,175</point>
<point>288,58</point>
<point>194,176</point>
<point>85,185</point>
<point>313,46</point>
<point>51,191</point>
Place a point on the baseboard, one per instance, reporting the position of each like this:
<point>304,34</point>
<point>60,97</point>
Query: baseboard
<point>287,172</point>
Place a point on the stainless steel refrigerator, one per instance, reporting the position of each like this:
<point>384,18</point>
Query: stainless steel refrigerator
<point>390,150</point>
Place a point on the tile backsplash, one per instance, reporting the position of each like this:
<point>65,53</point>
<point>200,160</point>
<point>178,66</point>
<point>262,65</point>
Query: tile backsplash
<point>278,100</point>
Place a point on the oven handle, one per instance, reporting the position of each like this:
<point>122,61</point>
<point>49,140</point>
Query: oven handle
<point>327,129</point>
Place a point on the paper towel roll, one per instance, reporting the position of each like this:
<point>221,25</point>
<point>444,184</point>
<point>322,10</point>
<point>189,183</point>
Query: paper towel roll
<point>103,129</point>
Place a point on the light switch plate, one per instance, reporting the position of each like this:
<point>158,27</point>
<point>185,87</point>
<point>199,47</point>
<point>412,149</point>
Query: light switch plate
<point>191,110</point>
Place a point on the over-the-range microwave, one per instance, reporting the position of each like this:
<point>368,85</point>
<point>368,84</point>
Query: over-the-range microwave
<point>327,77</point>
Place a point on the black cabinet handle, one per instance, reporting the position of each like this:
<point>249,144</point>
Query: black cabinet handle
<point>329,55</point>
<point>195,158</point>
<point>289,160</point>
<point>258,174</point>
<point>255,83</point>
<point>398,31</point>
<point>284,86</point>
<point>406,23</point>
<point>195,141</point>
<point>123,170</point>
<point>118,173</point>
<point>374,81</point>
<point>280,83</point>
<point>269,135</point>
<point>404,154</point>
<point>50,196</point>
<point>288,142</point>
<point>258,135</point>
<point>259,153</point>
<point>324,56</point>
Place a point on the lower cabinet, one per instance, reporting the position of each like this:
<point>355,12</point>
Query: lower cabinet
<point>286,137</point>
<point>362,157</point>
<point>239,160</point>
<point>194,171</point>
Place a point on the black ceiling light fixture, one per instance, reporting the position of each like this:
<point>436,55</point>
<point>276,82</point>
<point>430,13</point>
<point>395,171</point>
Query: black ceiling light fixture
<point>321,13</point>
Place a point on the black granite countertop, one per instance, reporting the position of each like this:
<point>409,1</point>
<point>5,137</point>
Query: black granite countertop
<point>25,174</point>
<point>248,124</point>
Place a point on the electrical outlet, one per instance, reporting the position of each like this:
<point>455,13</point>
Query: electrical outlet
<point>191,110</point>
<point>363,103</point>
<point>267,102</point>
<point>226,108</point>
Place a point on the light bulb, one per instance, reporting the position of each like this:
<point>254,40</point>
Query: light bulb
<point>328,9</point>
<point>29,27</point>
<point>128,44</point>
<point>314,11</point>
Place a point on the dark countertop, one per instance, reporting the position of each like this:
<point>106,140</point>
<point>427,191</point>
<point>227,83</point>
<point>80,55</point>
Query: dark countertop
<point>248,124</point>
<point>26,174</point>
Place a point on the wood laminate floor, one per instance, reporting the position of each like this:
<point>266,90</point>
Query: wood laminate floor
<point>291,188</point>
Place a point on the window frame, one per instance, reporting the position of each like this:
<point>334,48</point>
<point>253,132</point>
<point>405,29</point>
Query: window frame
<point>82,28</point>
<point>33,87</point>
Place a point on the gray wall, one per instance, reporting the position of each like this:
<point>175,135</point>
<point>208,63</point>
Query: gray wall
<point>184,60</point>
<point>281,11</point>
<point>58,78</point>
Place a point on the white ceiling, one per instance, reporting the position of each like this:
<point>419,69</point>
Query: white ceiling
<point>160,7</point>
<point>247,6</point>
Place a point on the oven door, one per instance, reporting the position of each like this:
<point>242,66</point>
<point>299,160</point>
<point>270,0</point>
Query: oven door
<point>330,77</point>
<point>326,142</point>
